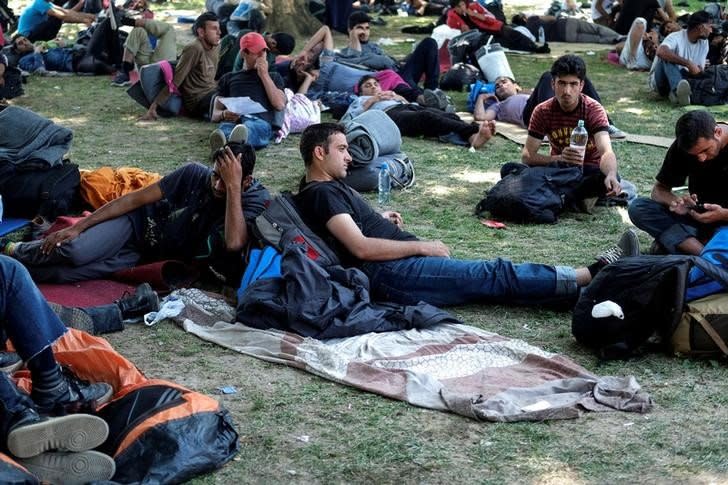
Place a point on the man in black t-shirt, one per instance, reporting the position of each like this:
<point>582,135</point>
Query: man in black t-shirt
<point>405,269</point>
<point>681,224</point>
<point>194,212</point>
<point>257,83</point>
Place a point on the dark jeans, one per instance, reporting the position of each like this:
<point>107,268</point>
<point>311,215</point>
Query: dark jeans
<point>95,253</point>
<point>46,30</point>
<point>450,281</point>
<point>544,91</point>
<point>415,120</point>
<point>668,228</point>
<point>423,61</point>
<point>667,77</point>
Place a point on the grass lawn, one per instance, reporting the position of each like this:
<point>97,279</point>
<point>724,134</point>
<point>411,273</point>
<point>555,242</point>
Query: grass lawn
<point>363,438</point>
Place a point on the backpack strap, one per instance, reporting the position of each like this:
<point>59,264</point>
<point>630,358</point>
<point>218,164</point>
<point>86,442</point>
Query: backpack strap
<point>711,332</point>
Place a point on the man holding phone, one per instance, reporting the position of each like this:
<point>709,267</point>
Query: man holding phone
<point>681,224</point>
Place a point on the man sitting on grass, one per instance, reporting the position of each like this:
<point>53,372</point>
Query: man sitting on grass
<point>405,269</point>
<point>681,224</point>
<point>194,213</point>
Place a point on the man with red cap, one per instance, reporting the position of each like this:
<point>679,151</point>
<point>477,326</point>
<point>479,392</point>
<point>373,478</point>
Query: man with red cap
<point>261,86</point>
<point>194,74</point>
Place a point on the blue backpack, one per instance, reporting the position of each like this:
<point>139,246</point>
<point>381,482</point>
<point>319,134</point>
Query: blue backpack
<point>262,263</point>
<point>716,252</point>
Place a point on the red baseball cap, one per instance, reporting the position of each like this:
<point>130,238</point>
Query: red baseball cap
<point>253,42</point>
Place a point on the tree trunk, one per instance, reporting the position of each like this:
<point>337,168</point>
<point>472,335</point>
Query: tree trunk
<point>291,16</point>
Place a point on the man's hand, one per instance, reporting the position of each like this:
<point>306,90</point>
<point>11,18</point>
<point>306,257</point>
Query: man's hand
<point>612,184</point>
<point>573,156</point>
<point>713,213</point>
<point>694,69</point>
<point>54,240</point>
<point>228,115</point>
<point>261,66</point>
<point>681,206</point>
<point>151,114</point>
<point>434,248</point>
<point>231,171</point>
<point>394,217</point>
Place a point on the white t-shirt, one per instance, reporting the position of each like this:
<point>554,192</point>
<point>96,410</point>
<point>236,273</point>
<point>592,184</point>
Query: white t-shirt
<point>679,44</point>
<point>607,4</point>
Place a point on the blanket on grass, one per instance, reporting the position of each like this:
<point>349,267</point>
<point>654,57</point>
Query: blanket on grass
<point>451,367</point>
<point>371,135</point>
<point>28,138</point>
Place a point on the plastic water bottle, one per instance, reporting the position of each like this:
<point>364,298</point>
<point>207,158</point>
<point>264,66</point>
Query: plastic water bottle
<point>579,139</point>
<point>1,208</point>
<point>541,35</point>
<point>384,185</point>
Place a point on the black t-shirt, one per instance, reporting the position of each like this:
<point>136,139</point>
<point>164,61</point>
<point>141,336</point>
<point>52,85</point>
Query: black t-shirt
<point>318,202</point>
<point>631,9</point>
<point>188,219</point>
<point>247,83</point>
<point>707,179</point>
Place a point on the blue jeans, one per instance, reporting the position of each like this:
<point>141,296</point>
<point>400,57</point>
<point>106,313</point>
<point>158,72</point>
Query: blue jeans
<point>28,322</point>
<point>56,59</point>
<point>447,281</point>
<point>667,75</point>
<point>668,228</point>
<point>259,131</point>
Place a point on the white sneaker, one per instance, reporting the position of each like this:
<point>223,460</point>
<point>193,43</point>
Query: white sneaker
<point>682,93</point>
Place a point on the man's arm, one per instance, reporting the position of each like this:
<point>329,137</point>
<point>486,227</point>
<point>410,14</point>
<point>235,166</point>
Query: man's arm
<point>599,5</point>
<point>345,230</point>
<point>665,53</point>
<point>608,162</point>
<point>70,16</point>
<point>323,37</point>
<point>480,113</point>
<point>276,96</point>
<point>530,155</point>
<point>231,172</point>
<point>115,208</point>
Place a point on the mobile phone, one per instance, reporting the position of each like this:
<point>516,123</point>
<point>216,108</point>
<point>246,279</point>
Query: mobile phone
<point>699,208</point>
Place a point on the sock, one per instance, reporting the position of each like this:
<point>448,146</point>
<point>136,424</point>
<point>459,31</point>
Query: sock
<point>42,364</point>
<point>8,249</point>
<point>127,67</point>
<point>595,268</point>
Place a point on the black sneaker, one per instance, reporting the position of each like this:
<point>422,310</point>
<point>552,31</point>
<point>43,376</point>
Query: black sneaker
<point>71,468</point>
<point>67,394</point>
<point>628,245</point>
<point>143,301</point>
<point>75,432</point>
<point>121,79</point>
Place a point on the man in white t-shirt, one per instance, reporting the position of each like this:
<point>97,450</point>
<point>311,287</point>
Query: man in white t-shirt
<point>682,54</point>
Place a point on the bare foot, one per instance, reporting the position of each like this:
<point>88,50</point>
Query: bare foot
<point>485,133</point>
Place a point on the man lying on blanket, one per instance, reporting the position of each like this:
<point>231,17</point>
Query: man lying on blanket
<point>404,269</point>
<point>194,213</point>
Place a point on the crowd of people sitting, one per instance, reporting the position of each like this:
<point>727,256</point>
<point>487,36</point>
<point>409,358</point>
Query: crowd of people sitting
<point>198,212</point>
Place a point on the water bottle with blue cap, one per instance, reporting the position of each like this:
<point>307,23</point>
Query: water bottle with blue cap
<point>384,185</point>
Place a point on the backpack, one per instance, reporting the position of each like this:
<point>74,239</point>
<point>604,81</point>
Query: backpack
<point>47,192</point>
<point>650,294</point>
<point>459,76</point>
<point>13,86</point>
<point>280,224</point>
<point>703,328</point>
<point>531,194</point>
<point>715,251</point>
<point>710,87</point>
<point>364,177</point>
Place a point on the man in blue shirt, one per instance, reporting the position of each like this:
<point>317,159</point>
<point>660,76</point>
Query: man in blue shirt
<point>42,19</point>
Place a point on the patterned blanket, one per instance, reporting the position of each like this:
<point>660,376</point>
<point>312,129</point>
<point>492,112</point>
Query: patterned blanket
<point>456,368</point>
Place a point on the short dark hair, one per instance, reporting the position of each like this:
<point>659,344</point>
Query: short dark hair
<point>202,19</point>
<point>285,43</point>
<point>691,126</point>
<point>362,80</point>
<point>569,65</point>
<point>317,135</point>
<point>455,3</point>
<point>357,18</point>
<point>698,18</point>
<point>247,159</point>
<point>519,19</point>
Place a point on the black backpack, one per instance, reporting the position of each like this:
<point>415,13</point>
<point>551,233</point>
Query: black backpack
<point>47,192</point>
<point>531,194</point>
<point>710,88</point>
<point>650,290</point>
<point>459,76</point>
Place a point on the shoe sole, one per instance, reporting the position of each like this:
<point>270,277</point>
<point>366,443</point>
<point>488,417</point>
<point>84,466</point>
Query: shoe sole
<point>9,369</point>
<point>682,93</point>
<point>121,85</point>
<point>71,468</point>
<point>239,134</point>
<point>217,140</point>
<point>633,243</point>
<point>76,432</point>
